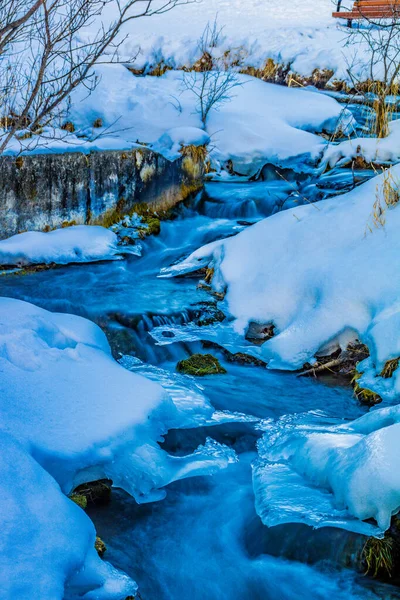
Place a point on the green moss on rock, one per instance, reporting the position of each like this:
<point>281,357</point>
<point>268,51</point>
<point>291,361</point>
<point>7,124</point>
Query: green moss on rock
<point>200,365</point>
<point>79,499</point>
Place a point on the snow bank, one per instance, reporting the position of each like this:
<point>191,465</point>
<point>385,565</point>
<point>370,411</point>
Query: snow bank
<point>301,33</point>
<point>71,414</point>
<point>323,274</point>
<point>373,150</point>
<point>47,541</point>
<point>323,474</point>
<point>262,123</point>
<point>77,244</point>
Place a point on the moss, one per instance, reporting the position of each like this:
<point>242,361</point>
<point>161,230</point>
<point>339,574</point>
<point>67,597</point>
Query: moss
<point>389,368</point>
<point>100,546</point>
<point>152,227</point>
<point>79,499</point>
<point>200,365</point>
<point>378,556</point>
<point>364,395</point>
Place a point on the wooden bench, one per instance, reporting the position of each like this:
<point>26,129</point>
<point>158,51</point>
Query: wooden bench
<point>373,10</point>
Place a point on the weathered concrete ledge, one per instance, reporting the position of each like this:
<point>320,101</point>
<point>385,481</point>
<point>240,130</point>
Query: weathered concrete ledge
<point>43,191</point>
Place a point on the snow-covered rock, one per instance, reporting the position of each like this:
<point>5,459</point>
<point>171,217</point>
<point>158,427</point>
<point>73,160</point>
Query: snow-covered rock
<point>325,474</point>
<point>372,150</point>
<point>76,244</point>
<point>172,141</point>
<point>322,273</point>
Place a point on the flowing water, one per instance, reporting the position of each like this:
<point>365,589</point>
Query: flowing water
<point>205,541</point>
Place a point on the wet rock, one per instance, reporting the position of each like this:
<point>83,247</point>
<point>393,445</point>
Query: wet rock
<point>240,358</point>
<point>207,313</point>
<point>258,333</point>
<point>100,546</point>
<point>364,395</point>
<point>340,362</point>
<point>200,365</point>
<point>96,492</point>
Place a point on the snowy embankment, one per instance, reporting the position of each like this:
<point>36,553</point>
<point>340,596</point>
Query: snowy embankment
<point>76,244</point>
<point>371,150</point>
<point>299,33</point>
<point>55,438</point>
<point>262,123</point>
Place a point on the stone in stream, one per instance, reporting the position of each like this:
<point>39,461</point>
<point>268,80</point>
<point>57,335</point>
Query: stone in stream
<point>200,365</point>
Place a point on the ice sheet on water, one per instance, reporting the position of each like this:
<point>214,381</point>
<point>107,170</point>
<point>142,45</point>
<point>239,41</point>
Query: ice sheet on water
<point>327,473</point>
<point>187,394</point>
<point>220,333</point>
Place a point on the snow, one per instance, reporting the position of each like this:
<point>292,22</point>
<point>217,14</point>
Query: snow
<point>76,244</point>
<point>309,271</point>
<point>71,414</point>
<point>262,122</point>
<point>171,142</point>
<point>46,540</point>
<point>334,474</point>
<point>299,32</point>
<point>373,150</point>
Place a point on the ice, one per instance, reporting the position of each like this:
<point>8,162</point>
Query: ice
<point>76,244</point>
<point>330,474</point>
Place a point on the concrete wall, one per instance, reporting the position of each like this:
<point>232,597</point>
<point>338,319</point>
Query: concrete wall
<point>45,190</point>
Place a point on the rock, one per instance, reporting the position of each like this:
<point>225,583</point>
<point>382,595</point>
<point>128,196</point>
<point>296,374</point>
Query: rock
<point>95,492</point>
<point>207,313</point>
<point>258,333</point>
<point>364,395</point>
<point>100,546</point>
<point>238,357</point>
<point>200,365</point>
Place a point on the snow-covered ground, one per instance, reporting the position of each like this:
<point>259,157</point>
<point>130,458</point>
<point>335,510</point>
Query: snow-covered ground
<point>70,414</point>
<point>262,122</point>
<point>300,32</point>
<point>75,244</point>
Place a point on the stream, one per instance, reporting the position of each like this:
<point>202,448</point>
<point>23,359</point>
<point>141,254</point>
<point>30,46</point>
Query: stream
<point>204,541</point>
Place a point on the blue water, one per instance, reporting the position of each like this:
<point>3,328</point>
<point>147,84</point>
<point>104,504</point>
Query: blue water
<point>205,541</point>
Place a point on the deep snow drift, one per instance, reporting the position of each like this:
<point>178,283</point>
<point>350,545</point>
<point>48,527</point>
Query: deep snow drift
<point>77,244</point>
<point>69,409</point>
<point>323,274</point>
